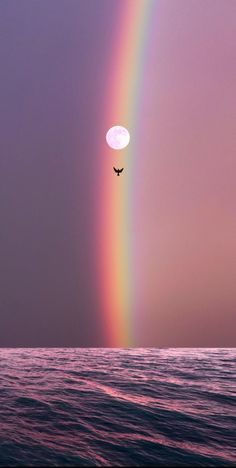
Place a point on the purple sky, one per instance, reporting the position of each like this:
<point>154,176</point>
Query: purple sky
<point>54,58</point>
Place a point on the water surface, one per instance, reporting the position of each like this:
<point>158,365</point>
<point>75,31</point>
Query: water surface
<point>117,407</point>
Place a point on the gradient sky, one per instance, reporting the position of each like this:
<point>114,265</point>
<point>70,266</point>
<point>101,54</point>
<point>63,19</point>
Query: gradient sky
<point>55,57</point>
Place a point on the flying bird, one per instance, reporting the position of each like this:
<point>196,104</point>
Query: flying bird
<point>118,171</point>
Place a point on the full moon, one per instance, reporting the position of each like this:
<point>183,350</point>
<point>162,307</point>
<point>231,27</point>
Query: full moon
<point>117,137</point>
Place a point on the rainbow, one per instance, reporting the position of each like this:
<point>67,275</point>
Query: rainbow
<point>115,241</point>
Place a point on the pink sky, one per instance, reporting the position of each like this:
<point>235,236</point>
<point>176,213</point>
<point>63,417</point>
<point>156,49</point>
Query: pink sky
<point>186,193</point>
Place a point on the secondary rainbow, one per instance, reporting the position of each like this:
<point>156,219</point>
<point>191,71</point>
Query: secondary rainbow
<point>115,238</point>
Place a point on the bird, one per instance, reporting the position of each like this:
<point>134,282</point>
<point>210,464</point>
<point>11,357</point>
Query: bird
<point>118,171</point>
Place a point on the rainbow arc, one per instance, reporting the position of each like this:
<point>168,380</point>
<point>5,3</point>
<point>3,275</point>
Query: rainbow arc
<point>115,235</point>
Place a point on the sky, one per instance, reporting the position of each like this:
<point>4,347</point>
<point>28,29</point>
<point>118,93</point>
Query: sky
<point>56,61</point>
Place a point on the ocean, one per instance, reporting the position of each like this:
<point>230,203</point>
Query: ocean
<point>117,407</point>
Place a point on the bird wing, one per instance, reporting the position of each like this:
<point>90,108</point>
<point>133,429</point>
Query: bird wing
<point>116,170</point>
<point>120,170</point>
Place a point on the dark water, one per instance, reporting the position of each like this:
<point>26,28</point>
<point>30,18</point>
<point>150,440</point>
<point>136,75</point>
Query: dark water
<point>105,407</point>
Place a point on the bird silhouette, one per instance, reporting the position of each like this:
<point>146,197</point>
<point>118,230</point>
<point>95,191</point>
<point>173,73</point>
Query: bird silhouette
<point>118,171</point>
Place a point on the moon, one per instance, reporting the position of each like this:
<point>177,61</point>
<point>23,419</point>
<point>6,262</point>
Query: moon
<point>117,137</point>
